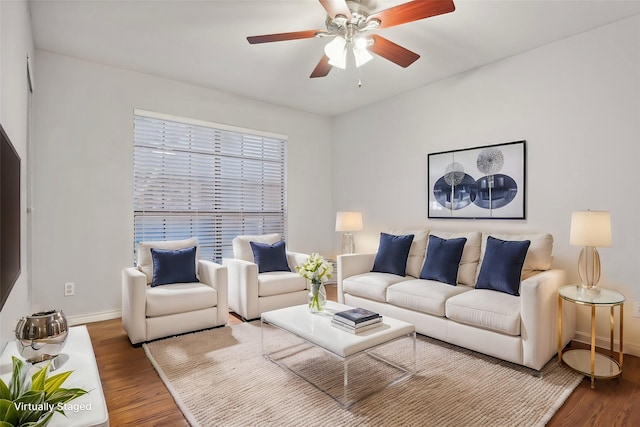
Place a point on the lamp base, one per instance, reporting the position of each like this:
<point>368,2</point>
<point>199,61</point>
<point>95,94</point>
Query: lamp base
<point>594,290</point>
<point>589,270</point>
<point>348,245</point>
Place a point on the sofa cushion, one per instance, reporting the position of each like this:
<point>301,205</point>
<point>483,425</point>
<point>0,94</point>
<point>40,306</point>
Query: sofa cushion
<point>468,270</point>
<point>173,266</point>
<point>392,255</point>
<point>145,262</point>
<point>179,298</point>
<point>270,256</point>
<point>242,246</point>
<point>371,285</point>
<point>417,250</point>
<point>425,296</point>
<point>486,309</point>
<point>539,253</point>
<point>502,265</point>
<point>280,282</point>
<point>443,260</point>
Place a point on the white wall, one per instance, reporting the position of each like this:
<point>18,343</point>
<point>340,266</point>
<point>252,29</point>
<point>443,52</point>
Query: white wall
<point>83,172</point>
<point>576,102</point>
<point>16,44</point>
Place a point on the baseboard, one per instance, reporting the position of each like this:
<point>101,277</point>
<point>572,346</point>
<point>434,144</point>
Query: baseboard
<point>602,342</point>
<point>93,317</point>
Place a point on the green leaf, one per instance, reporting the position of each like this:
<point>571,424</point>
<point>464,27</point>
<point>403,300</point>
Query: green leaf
<point>38,379</point>
<point>4,407</point>
<point>41,422</point>
<point>5,424</point>
<point>4,391</point>
<point>20,381</point>
<point>55,382</point>
<point>31,406</point>
<point>11,414</point>
<point>63,395</point>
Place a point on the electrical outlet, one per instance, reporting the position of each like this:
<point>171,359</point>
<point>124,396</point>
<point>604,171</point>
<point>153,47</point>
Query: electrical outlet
<point>69,289</point>
<point>636,309</point>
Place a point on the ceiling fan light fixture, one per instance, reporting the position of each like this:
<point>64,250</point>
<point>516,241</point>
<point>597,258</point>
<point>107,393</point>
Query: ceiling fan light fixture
<point>361,55</point>
<point>337,52</point>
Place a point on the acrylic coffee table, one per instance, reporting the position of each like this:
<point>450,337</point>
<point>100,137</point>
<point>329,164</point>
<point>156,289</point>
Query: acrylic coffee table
<point>367,362</point>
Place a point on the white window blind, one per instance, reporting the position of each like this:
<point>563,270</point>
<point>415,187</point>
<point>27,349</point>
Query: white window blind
<point>208,181</point>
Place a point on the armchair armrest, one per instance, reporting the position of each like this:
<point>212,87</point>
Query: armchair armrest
<point>216,276</point>
<point>351,265</point>
<point>539,317</point>
<point>134,286</point>
<point>243,287</point>
<point>295,259</point>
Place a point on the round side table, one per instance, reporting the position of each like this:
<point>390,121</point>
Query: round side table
<point>590,362</point>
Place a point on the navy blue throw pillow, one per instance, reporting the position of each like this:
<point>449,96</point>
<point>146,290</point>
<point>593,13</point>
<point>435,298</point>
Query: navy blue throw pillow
<point>270,257</point>
<point>392,255</point>
<point>502,265</point>
<point>443,260</point>
<point>173,266</point>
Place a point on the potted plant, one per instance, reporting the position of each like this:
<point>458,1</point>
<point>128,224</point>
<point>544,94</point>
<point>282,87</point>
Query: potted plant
<point>31,401</point>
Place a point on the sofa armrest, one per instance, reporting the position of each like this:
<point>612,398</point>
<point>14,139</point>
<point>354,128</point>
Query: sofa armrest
<point>539,316</point>
<point>216,276</point>
<point>243,287</point>
<point>351,265</point>
<point>134,287</point>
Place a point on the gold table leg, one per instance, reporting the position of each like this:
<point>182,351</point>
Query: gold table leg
<point>559,328</point>
<point>593,345</point>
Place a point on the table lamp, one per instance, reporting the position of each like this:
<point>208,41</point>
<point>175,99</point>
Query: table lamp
<point>590,229</point>
<point>348,222</point>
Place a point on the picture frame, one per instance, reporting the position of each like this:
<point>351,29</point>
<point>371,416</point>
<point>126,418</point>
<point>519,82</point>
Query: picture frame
<point>485,182</point>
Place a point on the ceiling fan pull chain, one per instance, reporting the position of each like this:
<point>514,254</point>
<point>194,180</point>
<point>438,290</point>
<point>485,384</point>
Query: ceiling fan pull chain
<point>359,76</point>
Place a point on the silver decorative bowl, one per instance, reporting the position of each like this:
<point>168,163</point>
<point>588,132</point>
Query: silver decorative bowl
<point>41,336</point>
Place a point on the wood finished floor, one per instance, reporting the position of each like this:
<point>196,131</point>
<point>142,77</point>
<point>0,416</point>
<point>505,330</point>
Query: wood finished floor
<point>136,396</point>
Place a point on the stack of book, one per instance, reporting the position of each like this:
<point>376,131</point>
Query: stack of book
<point>356,320</point>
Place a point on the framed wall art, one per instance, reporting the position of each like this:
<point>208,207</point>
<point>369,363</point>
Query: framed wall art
<point>486,182</point>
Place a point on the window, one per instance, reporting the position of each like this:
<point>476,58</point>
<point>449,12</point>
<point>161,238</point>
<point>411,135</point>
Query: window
<point>209,181</point>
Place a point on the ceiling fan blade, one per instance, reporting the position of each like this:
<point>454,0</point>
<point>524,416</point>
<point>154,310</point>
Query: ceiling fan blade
<point>412,11</point>
<point>322,69</point>
<point>336,7</point>
<point>296,35</point>
<point>391,51</point>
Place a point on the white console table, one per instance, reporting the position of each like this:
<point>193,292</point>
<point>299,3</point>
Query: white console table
<point>77,356</point>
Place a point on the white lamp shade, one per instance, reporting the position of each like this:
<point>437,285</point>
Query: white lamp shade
<point>337,52</point>
<point>590,228</point>
<point>349,221</point>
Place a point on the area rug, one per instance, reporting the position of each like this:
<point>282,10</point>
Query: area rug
<point>219,377</point>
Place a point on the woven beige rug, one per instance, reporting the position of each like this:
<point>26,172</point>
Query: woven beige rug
<point>219,378</point>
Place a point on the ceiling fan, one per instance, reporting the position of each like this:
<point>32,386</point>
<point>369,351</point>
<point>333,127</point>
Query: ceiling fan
<point>350,23</point>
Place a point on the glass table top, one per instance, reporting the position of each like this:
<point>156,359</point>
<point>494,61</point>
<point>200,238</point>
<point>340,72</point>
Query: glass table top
<point>604,297</point>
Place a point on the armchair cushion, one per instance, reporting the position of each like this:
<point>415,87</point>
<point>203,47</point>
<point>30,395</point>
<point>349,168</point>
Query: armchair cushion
<point>179,298</point>
<point>173,266</point>
<point>280,282</point>
<point>270,257</point>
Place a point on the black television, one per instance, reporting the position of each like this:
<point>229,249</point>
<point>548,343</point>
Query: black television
<point>9,216</point>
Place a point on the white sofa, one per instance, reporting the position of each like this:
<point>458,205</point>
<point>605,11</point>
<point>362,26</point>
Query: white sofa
<point>519,329</point>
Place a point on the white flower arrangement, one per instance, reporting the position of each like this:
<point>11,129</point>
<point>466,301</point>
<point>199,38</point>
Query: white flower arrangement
<point>316,269</point>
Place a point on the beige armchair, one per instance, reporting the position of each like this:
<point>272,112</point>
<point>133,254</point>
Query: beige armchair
<point>251,293</point>
<point>150,312</point>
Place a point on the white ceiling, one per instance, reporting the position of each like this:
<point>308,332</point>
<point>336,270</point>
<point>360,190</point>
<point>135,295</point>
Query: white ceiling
<point>204,42</point>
